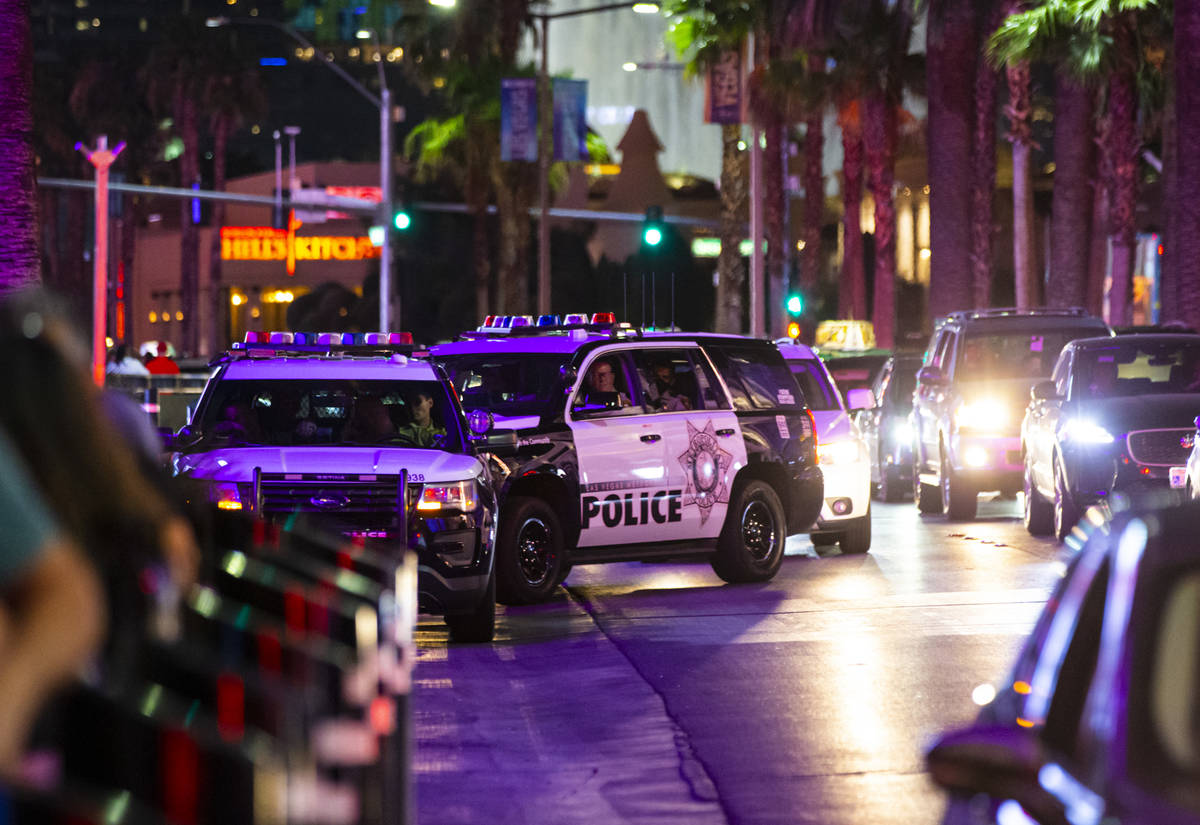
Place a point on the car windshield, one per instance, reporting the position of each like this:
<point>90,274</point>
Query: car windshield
<point>278,412</point>
<point>855,372</point>
<point>508,384</point>
<point>1029,354</point>
<point>1137,368</point>
<point>817,390</point>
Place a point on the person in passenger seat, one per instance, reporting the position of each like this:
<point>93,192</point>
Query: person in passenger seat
<point>668,389</point>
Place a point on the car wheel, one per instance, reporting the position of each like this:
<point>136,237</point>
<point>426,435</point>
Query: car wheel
<point>529,552</point>
<point>823,539</point>
<point>750,548</point>
<point>857,537</point>
<point>480,624</point>
<point>1065,511</point>
<point>890,486</point>
<point>927,497</point>
<point>959,499</point>
<point>1038,513</point>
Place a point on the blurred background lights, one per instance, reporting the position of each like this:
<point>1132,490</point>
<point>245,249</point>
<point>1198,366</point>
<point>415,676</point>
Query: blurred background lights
<point>983,694</point>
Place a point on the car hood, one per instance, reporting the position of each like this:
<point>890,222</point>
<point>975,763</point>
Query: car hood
<point>238,464</point>
<point>1142,412</point>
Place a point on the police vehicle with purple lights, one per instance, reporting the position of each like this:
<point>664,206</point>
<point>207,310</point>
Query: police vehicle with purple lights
<point>353,435</point>
<point>635,447</point>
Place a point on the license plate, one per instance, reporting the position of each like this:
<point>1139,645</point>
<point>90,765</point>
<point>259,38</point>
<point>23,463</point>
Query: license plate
<point>1178,476</point>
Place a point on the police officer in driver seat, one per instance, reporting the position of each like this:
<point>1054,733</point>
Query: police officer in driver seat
<point>602,378</point>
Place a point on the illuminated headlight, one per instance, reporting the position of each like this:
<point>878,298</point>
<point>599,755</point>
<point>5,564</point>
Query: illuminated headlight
<point>228,495</point>
<point>461,495</point>
<point>975,456</point>
<point>985,414</point>
<point>1079,431</point>
<point>902,432</point>
<point>839,452</point>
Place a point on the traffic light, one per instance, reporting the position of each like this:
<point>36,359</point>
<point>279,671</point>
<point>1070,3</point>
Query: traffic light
<point>652,228</point>
<point>793,330</point>
<point>795,304</point>
<point>402,219</point>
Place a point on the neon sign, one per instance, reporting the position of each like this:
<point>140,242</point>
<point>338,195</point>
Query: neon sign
<point>265,243</point>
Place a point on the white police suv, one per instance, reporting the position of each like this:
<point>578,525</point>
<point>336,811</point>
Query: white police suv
<point>635,447</point>
<point>352,436</point>
<point>846,512</point>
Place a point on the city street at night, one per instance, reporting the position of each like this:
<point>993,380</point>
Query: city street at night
<point>654,693</point>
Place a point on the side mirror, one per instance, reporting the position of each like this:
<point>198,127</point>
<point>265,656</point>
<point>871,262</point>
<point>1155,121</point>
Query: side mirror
<point>860,398</point>
<point>173,442</point>
<point>930,375</point>
<point>498,442</point>
<point>1044,391</point>
<point>1002,762</point>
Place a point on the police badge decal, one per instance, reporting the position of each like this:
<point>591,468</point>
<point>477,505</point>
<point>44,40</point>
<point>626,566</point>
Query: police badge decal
<point>705,465</point>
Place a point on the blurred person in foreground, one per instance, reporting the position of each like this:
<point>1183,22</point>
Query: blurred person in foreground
<point>98,487</point>
<point>51,607</point>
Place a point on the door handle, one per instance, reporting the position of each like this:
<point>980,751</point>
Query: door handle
<point>651,438</point>
<point>725,431</point>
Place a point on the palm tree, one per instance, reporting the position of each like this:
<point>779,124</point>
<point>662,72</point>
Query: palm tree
<point>705,33</point>
<point>852,293</point>
<point>983,175</point>
<point>951,50</point>
<point>232,94</point>
<point>19,263</point>
<point>1186,266</point>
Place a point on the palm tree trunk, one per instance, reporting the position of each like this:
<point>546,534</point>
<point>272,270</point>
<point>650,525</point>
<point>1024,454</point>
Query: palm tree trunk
<point>1186,265</point>
<point>731,275</point>
<point>1074,149</point>
<point>879,140</point>
<point>983,183</point>
<point>130,221</point>
<point>1019,111</point>
<point>774,193</point>
<point>852,295</point>
<point>814,193</point>
<point>1122,143</point>
<point>952,44</point>
<point>1098,248</point>
<point>216,302</point>
<point>19,262</point>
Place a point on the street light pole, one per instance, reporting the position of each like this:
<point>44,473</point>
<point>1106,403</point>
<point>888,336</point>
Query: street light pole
<point>546,138</point>
<point>383,101</point>
<point>101,157</point>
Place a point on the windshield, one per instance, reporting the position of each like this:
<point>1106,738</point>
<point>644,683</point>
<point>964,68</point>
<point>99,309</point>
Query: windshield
<point>277,412</point>
<point>1137,368</point>
<point>813,383</point>
<point>1012,355</point>
<point>507,384</point>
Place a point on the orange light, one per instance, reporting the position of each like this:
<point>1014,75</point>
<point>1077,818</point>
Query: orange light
<point>1022,688</point>
<point>1025,723</point>
<point>793,330</point>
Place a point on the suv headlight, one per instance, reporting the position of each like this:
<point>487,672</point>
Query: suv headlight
<point>1081,431</point>
<point>459,495</point>
<point>839,452</point>
<point>985,415</point>
<point>229,495</point>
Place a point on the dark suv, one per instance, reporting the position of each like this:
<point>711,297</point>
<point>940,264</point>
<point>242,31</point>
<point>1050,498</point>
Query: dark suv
<point>640,446</point>
<point>971,396</point>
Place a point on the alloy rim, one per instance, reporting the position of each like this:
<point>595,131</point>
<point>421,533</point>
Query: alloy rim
<point>535,552</point>
<point>758,531</point>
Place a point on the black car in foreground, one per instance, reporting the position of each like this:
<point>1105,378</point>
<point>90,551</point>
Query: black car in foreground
<point>1118,413</point>
<point>1096,723</point>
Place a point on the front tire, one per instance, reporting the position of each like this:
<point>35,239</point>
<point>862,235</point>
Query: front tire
<point>1066,513</point>
<point>480,624</point>
<point>890,487</point>
<point>1038,513</point>
<point>529,552</point>
<point>750,548</point>
<point>857,537</point>
<point>927,497</point>
<point>959,500</point>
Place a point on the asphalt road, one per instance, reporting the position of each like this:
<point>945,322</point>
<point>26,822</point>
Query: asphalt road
<point>655,693</point>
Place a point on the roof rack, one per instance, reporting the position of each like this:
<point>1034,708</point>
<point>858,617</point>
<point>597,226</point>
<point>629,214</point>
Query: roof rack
<point>1001,312</point>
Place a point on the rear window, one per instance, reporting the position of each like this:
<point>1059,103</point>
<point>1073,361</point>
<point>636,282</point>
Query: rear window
<point>758,379</point>
<point>818,392</point>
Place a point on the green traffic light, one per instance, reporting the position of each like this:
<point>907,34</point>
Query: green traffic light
<point>652,236</point>
<point>403,220</point>
<point>795,304</point>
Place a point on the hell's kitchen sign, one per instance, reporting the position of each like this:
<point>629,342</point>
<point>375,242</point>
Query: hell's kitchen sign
<point>265,243</point>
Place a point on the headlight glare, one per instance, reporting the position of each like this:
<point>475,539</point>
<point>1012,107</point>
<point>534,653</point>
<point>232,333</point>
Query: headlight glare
<point>902,432</point>
<point>226,495</point>
<point>985,414</point>
<point>839,452</point>
<point>1080,431</point>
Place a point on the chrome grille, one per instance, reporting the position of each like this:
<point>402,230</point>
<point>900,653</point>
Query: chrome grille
<point>1163,448</point>
<point>345,502</point>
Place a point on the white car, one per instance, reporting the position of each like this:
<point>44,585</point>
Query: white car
<point>846,512</point>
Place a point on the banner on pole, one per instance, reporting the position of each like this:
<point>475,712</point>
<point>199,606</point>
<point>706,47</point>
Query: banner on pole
<point>724,89</point>
<point>518,118</point>
<point>570,119</point>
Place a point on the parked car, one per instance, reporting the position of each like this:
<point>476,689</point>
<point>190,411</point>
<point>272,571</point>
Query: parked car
<point>1097,721</point>
<point>971,394</point>
<point>359,440</point>
<point>1118,413</point>
<point>887,428</point>
<point>846,513</point>
<point>637,446</point>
